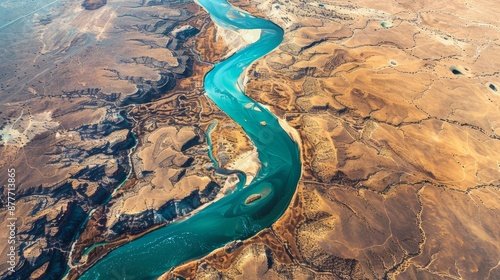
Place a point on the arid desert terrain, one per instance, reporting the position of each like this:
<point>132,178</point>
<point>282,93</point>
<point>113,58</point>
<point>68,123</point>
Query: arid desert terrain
<point>395,105</point>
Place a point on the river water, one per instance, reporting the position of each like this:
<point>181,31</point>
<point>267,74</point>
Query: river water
<point>229,218</point>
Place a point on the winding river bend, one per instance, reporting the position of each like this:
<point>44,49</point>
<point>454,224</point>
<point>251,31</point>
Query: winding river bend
<point>229,218</point>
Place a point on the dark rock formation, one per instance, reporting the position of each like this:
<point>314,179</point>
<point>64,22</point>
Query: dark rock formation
<point>93,4</point>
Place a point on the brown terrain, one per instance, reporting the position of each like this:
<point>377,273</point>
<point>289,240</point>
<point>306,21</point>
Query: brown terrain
<point>396,105</point>
<point>104,118</point>
<point>398,111</point>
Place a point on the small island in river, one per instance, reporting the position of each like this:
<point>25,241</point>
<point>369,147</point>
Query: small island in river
<point>253,198</point>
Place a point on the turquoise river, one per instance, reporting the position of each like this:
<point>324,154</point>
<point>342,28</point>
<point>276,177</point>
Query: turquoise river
<point>229,218</point>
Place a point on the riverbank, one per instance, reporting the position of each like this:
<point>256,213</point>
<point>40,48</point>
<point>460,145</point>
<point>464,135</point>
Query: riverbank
<point>229,218</point>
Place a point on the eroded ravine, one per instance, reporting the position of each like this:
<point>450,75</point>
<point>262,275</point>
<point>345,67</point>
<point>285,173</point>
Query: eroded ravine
<point>229,218</point>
